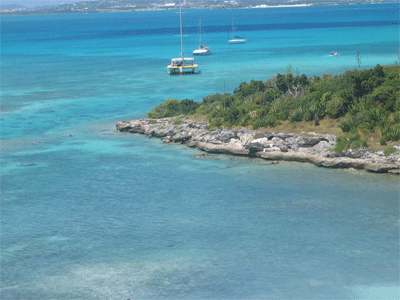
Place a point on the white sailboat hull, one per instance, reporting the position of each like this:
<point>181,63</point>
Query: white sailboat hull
<point>202,51</point>
<point>237,41</point>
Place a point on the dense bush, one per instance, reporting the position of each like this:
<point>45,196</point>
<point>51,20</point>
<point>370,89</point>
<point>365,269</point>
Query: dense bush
<point>173,107</point>
<point>353,142</point>
<point>360,101</point>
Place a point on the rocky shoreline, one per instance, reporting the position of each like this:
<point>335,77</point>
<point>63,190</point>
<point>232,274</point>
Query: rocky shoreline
<point>305,147</point>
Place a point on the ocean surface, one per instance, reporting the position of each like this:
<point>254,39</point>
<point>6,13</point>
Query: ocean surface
<point>90,213</point>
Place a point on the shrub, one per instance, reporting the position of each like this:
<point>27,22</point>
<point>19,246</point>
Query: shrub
<point>390,131</point>
<point>216,123</point>
<point>364,142</point>
<point>246,89</point>
<point>396,118</point>
<point>316,119</point>
<point>188,106</point>
<point>354,141</point>
<point>173,107</point>
<point>347,124</point>
<point>245,121</point>
<point>296,116</point>
<point>177,122</point>
<point>390,150</point>
<point>341,144</point>
<point>258,123</point>
<point>376,116</point>
<point>360,118</point>
<point>334,107</point>
<point>394,133</point>
<point>269,121</point>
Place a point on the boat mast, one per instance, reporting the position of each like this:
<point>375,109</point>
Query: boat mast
<point>180,18</point>
<point>200,33</point>
<point>233,27</point>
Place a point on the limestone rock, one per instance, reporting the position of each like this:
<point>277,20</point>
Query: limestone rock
<point>305,147</point>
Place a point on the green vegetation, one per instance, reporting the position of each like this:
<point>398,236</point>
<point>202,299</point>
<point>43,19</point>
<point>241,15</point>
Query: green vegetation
<point>361,103</point>
<point>177,122</point>
<point>389,151</point>
<point>173,107</point>
<point>353,142</point>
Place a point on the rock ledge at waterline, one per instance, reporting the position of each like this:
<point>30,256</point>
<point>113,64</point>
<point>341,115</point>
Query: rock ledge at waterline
<point>305,147</point>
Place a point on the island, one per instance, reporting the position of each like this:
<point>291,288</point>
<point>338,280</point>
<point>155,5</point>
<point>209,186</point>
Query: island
<point>103,6</point>
<point>351,120</point>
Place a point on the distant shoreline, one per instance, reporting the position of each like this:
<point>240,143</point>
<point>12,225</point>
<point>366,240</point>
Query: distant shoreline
<point>283,5</point>
<point>70,9</point>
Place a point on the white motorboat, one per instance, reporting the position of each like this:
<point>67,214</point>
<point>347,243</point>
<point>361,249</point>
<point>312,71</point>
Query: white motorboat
<point>202,50</point>
<point>236,39</point>
<point>182,65</point>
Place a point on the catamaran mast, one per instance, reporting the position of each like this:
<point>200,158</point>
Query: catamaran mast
<point>180,18</point>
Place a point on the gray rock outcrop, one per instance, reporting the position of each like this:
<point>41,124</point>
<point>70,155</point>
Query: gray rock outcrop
<point>305,147</point>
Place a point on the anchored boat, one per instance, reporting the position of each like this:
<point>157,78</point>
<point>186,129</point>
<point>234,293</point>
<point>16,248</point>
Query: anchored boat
<point>182,65</point>
<point>202,50</point>
<point>236,39</point>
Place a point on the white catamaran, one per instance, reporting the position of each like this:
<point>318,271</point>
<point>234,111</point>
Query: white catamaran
<point>236,39</point>
<point>202,50</point>
<point>182,65</point>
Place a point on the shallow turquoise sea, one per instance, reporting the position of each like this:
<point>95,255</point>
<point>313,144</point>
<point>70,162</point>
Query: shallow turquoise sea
<point>89,213</point>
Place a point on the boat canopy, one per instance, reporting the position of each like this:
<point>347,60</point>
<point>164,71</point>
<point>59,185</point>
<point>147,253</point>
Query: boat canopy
<point>182,59</point>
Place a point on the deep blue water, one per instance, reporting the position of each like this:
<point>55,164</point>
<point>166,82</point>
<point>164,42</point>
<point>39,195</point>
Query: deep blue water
<point>105,215</point>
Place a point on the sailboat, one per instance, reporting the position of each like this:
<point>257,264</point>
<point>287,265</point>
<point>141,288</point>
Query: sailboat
<point>182,65</point>
<point>202,50</point>
<point>236,39</point>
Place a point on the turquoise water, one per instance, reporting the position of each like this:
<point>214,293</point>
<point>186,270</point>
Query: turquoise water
<point>104,215</point>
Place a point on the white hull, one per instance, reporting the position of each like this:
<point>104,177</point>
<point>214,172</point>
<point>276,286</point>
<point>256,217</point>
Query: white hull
<point>202,51</point>
<point>237,41</point>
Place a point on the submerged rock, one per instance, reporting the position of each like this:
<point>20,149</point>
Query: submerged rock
<point>203,156</point>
